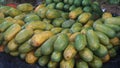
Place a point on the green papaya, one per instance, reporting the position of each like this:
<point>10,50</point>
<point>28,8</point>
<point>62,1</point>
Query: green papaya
<point>86,55</point>
<point>70,2</point>
<point>82,64</point>
<point>65,31</point>
<point>20,16</point>
<point>23,35</point>
<point>47,46</point>
<point>87,9</point>
<point>77,2</point>
<point>52,64</point>
<point>48,1</point>
<point>42,12</point>
<point>56,1</point>
<point>105,29</point>
<point>65,15</point>
<point>14,53</point>
<point>80,42</point>
<point>56,30</point>
<point>61,42</point>
<point>103,38</point>
<point>65,1</point>
<point>47,21</point>
<point>76,27</point>
<point>86,2</point>
<point>38,52</point>
<point>43,60</point>
<point>11,32</point>
<point>68,23</point>
<point>101,51</point>
<point>66,7</point>
<point>112,52</point>
<point>93,41</point>
<point>72,7</point>
<point>60,5</point>
<point>56,56</point>
<point>58,22</point>
<point>31,17</point>
<point>49,27</point>
<point>51,6</point>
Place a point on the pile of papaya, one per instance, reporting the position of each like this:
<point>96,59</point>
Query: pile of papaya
<point>60,33</point>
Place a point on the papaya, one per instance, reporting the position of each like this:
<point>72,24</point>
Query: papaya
<point>39,7</point>
<point>2,20</point>
<point>61,42</point>
<point>87,9</point>
<point>93,41</point>
<point>38,52</point>
<point>40,38</point>
<point>66,7</point>
<point>31,17</point>
<point>60,5</point>
<point>11,32</point>
<point>114,27</point>
<point>96,62</point>
<point>86,2</point>
<point>84,17</point>
<point>70,2</point>
<point>20,16</point>
<point>81,64</point>
<point>25,47</point>
<point>112,52</point>
<point>101,51</point>
<point>67,63</point>
<point>56,56</point>
<point>48,1</point>
<point>43,60</point>
<point>5,25</point>
<point>106,15</point>
<point>56,1</point>
<point>52,64</point>
<point>36,25</point>
<point>51,6</point>
<point>75,13</point>
<point>76,27</point>
<point>58,22</point>
<point>80,42</point>
<point>86,55</point>
<point>56,30</point>
<point>72,7</point>
<point>89,24</point>
<point>23,35</point>
<point>22,56</point>
<point>1,38</point>
<point>109,46</point>
<point>25,7</point>
<point>68,23</point>
<point>42,12</point>
<point>115,41</point>
<point>47,21</point>
<point>73,36</point>
<point>2,15</point>
<point>12,45</point>
<point>77,2</point>
<point>65,15</point>
<point>49,27</point>
<point>20,22</point>
<point>14,53</point>
<point>106,58</point>
<point>65,31</point>
<point>52,14</point>
<point>47,46</point>
<point>105,29</point>
<point>4,9</point>
<point>30,58</point>
<point>13,12</point>
<point>69,52</point>
<point>103,38</point>
<point>37,31</point>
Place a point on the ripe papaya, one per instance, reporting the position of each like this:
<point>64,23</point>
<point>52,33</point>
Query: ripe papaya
<point>61,42</point>
<point>75,13</point>
<point>106,58</point>
<point>69,52</point>
<point>12,45</point>
<point>39,38</point>
<point>11,32</point>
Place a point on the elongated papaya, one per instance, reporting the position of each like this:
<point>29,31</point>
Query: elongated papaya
<point>56,30</point>
<point>68,23</point>
<point>39,38</point>
<point>101,52</point>
<point>103,38</point>
<point>73,36</point>
<point>93,41</point>
<point>69,52</point>
<point>38,52</point>
<point>105,29</point>
<point>11,32</point>
<point>5,25</point>
<point>47,46</point>
<point>80,42</point>
<point>61,42</point>
<point>23,35</point>
<point>113,20</point>
<point>114,27</point>
<point>42,12</point>
<point>56,56</point>
<point>86,54</point>
<point>76,27</point>
<point>58,22</point>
